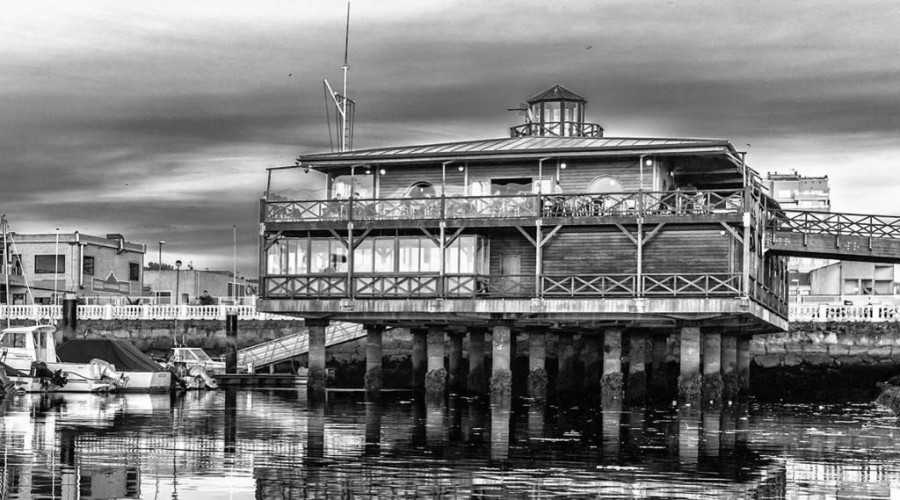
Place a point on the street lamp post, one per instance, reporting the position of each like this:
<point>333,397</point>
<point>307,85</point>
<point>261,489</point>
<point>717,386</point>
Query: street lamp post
<point>159,271</point>
<point>177,277</point>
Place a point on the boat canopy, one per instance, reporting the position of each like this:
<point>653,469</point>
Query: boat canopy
<point>121,353</point>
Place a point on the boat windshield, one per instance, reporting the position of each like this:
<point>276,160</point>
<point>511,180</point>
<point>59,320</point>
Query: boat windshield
<point>13,339</point>
<point>201,356</point>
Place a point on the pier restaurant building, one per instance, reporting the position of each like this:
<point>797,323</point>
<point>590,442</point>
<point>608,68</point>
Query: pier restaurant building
<point>555,230</point>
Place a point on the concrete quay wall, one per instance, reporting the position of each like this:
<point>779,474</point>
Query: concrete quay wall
<point>830,345</point>
<point>158,336</point>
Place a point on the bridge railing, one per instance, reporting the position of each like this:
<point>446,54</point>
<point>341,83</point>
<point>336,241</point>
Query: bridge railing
<point>824,313</point>
<point>39,312</point>
<point>840,224</point>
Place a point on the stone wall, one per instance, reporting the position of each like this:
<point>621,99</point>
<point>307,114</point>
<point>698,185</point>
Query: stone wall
<point>830,345</point>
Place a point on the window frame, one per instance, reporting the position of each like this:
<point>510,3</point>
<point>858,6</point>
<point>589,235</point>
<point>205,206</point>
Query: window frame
<point>58,268</point>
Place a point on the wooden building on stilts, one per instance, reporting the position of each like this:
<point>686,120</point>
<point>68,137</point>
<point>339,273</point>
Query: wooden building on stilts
<point>554,231</point>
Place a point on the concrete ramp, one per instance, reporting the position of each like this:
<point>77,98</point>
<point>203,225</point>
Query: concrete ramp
<point>284,348</point>
<point>830,235</point>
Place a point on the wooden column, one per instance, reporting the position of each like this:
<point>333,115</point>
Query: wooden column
<point>373,377</point>
<point>689,382</point>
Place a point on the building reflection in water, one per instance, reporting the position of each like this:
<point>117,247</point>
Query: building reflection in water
<point>276,444</point>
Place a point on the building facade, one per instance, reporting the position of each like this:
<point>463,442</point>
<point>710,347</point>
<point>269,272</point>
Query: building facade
<point>44,267</point>
<point>854,281</point>
<point>556,230</point>
<point>186,286</point>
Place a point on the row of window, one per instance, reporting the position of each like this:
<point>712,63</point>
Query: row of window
<point>466,255</point>
<point>364,187</point>
<point>56,264</point>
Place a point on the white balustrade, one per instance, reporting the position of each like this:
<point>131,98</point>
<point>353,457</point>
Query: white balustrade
<point>37,312</point>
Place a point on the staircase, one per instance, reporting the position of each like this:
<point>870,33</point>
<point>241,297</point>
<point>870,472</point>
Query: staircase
<point>284,348</point>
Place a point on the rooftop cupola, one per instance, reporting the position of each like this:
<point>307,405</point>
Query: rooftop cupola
<point>556,112</point>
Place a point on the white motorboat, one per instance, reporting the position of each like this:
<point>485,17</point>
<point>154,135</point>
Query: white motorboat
<point>142,373</point>
<point>194,369</point>
<point>30,352</point>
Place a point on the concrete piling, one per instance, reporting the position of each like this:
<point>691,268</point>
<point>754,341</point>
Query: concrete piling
<point>659,358</point>
<point>689,382</point>
<point>592,356</point>
<point>502,356</point>
<point>711,390</point>
<point>611,382</point>
<point>636,390</point>
<point>455,379</point>
<point>565,355</point>
<point>419,360</point>
<point>537,373</point>
<point>730,381</point>
<point>316,358</point>
<point>743,364</point>
<point>436,377</point>
<point>477,382</point>
<point>373,377</point>
<point>231,335</point>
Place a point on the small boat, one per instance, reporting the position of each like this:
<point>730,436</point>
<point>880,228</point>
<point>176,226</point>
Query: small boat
<point>193,368</point>
<point>29,352</point>
<point>142,373</point>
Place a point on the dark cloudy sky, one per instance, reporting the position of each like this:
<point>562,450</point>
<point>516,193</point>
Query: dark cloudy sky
<point>158,119</point>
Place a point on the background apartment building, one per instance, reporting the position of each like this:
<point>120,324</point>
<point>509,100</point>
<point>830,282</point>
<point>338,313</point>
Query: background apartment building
<point>45,267</point>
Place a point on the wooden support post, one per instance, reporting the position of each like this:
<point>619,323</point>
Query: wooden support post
<point>538,257</point>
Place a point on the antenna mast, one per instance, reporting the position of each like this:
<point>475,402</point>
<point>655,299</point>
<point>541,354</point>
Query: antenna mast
<point>344,105</point>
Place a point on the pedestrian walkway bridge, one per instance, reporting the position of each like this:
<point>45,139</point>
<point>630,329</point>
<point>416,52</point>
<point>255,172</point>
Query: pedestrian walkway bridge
<point>285,348</point>
<point>830,235</point>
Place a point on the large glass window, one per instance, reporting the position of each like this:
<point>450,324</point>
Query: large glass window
<point>409,255</point>
<point>296,256</point>
<point>361,186</point>
<point>363,260</point>
<point>462,256</point>
<point>430,255</point>
<point>274,264</point>
<point>49,264</point>
<point>384,255</point>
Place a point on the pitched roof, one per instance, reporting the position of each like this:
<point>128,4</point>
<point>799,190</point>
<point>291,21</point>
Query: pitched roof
<point>519,146</point>
<point>556,93</point>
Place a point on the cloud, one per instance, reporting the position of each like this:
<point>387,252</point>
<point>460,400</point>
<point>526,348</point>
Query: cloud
<point>158,120</point>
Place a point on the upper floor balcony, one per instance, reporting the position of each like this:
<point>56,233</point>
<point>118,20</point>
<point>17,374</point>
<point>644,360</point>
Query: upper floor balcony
<point>667,204</point>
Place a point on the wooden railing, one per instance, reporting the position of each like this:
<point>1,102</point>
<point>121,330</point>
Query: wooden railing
<point>766,296</point>
<point>838,224</point>
<point>483,286</point>
<point>557,129</point>
<point>632,204</point>
<point>142,312</point>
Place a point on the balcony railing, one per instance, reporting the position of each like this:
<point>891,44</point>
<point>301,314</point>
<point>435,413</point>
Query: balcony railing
<point>517,286</point>
<point>138,312</point>
<point>634,204</point>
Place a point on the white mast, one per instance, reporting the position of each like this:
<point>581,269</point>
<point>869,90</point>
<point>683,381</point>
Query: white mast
<point>6,266</point>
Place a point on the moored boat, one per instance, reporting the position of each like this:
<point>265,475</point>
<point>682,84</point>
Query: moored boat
<point>30,351</point>
<point>142,373</point>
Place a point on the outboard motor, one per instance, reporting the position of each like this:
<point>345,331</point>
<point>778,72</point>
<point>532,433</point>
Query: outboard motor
<point>47,376</point>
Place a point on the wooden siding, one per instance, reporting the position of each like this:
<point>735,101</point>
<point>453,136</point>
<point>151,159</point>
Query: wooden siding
<point>509,243</point>
<point>688,251</point>
<point>595,252</point>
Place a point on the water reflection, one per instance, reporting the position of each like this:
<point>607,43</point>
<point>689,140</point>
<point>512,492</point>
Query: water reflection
<point>277,444</point>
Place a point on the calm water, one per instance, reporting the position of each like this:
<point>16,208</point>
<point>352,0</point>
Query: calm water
<point>273,444</point>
